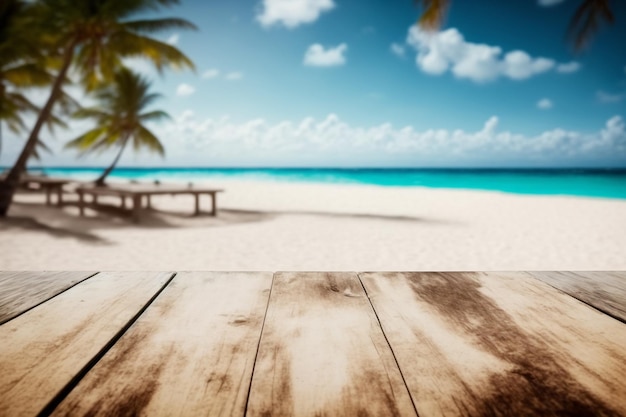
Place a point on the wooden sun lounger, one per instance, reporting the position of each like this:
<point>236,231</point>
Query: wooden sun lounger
<point>140,192</point>
<point>297,344</point>
<point>47,184</point>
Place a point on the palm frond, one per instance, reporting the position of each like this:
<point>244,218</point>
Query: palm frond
<point>19,102</point>
<point>91,113</point>
<point>40,146</point>
<point>160,53</point>
<point>27,75</point>
<point>14,122</point>
<point>144,137</point>
<point>154,115</point>
<point>587,20</point>
<point>433,13</point>
<point>54,122</point>
<point>148,99</point>
<point>86,141</point>
<point>67,104</point>
<point>159,25</point>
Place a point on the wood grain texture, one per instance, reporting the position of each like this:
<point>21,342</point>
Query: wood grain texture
<point>605,291</point>
<point>21,291</point>
<point>43,349</point>
<point>499,344</point>
<point>191,353</point>
<point>322,353</point>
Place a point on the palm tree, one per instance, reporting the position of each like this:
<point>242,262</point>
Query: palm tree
<point>583,24</point>
<point>18,68</point>
<point>120,117</point>
<point>92,37</point>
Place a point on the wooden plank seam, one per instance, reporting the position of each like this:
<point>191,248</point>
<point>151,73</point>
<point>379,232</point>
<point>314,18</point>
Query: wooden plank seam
<point>64,392</point>
<point>258,345</point>
<point>48,299</point>
<point>588,304</point>
<point>358,275</point>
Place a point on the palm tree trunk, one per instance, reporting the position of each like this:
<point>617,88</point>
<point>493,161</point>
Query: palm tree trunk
<point>2,93</point>
<point>9,185</point>
<point>100,181</point>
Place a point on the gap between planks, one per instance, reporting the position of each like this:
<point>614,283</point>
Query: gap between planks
<point>11,309</point>
<point>258,344</point>
<point>68,388</point>
<point>57,399</point>
<point>382,329</point>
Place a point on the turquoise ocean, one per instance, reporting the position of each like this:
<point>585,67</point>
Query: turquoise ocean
<point>606,183</point>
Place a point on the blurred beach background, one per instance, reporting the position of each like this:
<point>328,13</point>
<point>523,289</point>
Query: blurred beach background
<point>478,136</point>
<point>272,219</point>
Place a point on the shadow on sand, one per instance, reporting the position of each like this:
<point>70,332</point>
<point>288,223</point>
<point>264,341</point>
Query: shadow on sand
<point>66,223</point>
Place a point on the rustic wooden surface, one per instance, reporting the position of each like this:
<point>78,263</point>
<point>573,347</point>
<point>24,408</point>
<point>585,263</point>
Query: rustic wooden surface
<point>477,344</point>
<point>313,344</point>
<point>605,291</point>
<point>21,291</point>
<point>322,353</point>
<point>190,354</point>
<point>45,348</point>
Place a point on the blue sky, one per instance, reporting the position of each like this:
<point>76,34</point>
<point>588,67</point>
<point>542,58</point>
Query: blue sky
<point>353,83</point>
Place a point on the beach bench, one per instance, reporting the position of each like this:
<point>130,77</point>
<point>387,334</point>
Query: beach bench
<point>41,183</point>
<point>138,193</point>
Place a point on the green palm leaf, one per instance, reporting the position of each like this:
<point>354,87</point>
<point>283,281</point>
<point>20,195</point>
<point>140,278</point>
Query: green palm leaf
<point>27,75</point>
<point>144,137</point>
<point>160,53</point>
<point>159,25</point>
<point>155,115</point>
<point>120,117</point>
<point>85,142</point>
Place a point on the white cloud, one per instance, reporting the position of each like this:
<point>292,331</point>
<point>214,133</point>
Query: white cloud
<point>545,104</point>
<point>568,68</point>
<point>397,49</point>
<point>233,76</point>
<point>211,73</point>
<point>549,3</point>
<point>192,138</point>
<point>332,136</point>
<point>317,56</point>
<point>185,90</point>
<point>518,65</point>
<point>292,13</point>
<point>448,51</point>
<point>604,97</point>
<point>173,40</point>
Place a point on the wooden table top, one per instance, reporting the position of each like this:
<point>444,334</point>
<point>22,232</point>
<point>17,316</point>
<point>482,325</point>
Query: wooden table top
<point>312,344</point>
<point>146,189</point>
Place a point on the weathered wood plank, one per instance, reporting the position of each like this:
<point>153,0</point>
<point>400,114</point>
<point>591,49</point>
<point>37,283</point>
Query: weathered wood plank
<point>45,348</point>
<point>322,353</point>
<point>21,291</point>
<point>605,291</point>
<point>191,353</point>
<point>475,344</point>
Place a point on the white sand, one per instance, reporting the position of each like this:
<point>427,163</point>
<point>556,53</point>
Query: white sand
<point>279,226</point>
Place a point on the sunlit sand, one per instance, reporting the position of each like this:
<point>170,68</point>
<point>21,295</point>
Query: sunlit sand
<point>288,226</point>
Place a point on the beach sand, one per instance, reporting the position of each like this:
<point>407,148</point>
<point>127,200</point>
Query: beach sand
<point>293,226</point>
